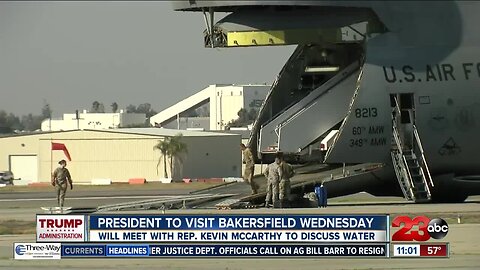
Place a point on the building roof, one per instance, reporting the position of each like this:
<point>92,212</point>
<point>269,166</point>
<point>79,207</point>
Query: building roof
<point>162,132</point>
<point>244,133</point>
<point>32,133</point>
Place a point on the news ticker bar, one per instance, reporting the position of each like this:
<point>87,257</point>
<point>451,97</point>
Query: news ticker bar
<point>409,250</point>
<point>29,251</point>
<point>227,250</point>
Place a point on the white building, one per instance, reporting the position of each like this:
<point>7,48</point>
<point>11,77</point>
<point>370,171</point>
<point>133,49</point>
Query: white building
<point>93,121</point>
<point>224,103</point>
<point>119,155</point>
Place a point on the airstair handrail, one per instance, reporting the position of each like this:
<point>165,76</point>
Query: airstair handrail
<point>397,108</point>
<point>398,172</point>
<point>402,163</point>
<point>398,142</point>
<point>422,154</point>
<point>396,137</point>
<point>426,186</point>
<point>405,170</point>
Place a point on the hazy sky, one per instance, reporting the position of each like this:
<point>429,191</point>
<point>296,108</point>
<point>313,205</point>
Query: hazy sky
<point>72,53</point>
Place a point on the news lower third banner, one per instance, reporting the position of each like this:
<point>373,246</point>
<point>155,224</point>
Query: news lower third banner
<point>221,236</point>
<point>238,228</point>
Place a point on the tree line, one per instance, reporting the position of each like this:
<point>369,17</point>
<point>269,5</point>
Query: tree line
<point>244,119</point>
<point>10,123</point>
<point>146,108</point>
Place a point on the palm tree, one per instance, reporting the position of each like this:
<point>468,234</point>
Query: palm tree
<point>114,107</point>
<point>176,148</point>
<point>95,106</point>
<point>172,147</point>
<point>164,147</point>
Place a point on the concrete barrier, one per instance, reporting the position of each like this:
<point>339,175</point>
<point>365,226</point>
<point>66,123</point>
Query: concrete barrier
<point>101,182</point>
<point>82,183</point>
<point>233,179</point>
<point>20,182</point>
<point>165,180</point>
<point>136,181</point>
<point>39,184</point>
<point>152,180</point>
<point>210,180</point>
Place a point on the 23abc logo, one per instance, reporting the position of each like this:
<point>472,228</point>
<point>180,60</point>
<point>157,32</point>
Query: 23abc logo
<point>436,228</point>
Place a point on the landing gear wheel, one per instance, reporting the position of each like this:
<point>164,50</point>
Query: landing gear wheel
<point>444,197</point>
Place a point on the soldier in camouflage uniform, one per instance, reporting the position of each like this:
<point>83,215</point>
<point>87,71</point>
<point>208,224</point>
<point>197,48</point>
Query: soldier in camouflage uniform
<point>59,180</point>
<point>273,173</point>
<point>249,168</point>
<point>287,173</point>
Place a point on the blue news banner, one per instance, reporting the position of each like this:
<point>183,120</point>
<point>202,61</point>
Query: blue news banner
<point>234,236</point>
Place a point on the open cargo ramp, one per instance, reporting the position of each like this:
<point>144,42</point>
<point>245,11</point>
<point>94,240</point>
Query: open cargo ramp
<point>304,122</point>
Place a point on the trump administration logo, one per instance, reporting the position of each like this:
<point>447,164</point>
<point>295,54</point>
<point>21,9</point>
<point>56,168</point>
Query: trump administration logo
<point>60,228</point>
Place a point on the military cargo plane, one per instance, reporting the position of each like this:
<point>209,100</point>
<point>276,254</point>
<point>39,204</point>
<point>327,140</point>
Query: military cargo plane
<point>398,82</point>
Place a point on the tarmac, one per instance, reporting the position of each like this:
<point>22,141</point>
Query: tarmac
<point>464,237</point>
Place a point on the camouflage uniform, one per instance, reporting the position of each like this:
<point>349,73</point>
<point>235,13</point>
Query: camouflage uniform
<point>249,169</point>
<point>287,172</point>
<point>59,179</point>
<point>273,173</point>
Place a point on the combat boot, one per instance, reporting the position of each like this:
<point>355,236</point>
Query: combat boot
<point>255,188</point>
<point>276,204</point>
<point>285,203</point>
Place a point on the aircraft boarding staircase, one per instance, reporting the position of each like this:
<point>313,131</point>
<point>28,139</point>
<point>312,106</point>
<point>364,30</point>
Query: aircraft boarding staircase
<point>298,125</point>
<point>409,162</point>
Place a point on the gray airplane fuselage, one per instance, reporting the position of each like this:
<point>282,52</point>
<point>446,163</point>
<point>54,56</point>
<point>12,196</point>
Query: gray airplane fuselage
<point>430,51</point>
